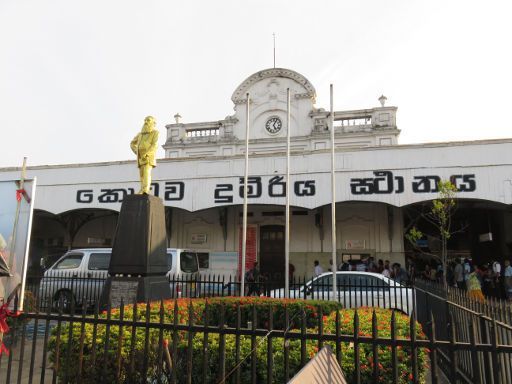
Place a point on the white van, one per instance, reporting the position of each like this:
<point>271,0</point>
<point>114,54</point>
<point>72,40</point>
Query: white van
<point>77,278</point>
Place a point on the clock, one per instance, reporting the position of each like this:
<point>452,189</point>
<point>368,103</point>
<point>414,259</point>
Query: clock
<point>273,125</point>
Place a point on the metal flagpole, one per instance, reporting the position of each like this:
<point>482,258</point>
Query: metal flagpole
<point>246,176</point>
<point>287,231</point>
<point>333,202</point>
<point>17,215</point>
<point>274,35</point>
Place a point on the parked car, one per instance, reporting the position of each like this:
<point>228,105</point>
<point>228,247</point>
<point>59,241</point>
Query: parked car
<point>355,289</point>
<point>77,278</point>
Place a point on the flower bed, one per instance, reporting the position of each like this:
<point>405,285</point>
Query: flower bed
<point>95,354</point>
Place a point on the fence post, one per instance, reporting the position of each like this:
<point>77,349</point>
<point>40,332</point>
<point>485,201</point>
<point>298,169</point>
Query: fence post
<point>253,345</point>
<point>270,352</point>
<point>190,340</point>
<point>237,342</point>
<point>206,323</point>
<point>433,349</point>
<point>414,351</point>
<point>496,368</point>
<point>487,357</point>
<point>375,354</point>
<point>453,353</point>
<point>357,361</point>
<point>475,363</point>
<point>222,344</point>
<point>286,344</point>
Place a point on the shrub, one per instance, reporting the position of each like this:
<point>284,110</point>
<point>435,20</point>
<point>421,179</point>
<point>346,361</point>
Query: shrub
<point>100,360</point>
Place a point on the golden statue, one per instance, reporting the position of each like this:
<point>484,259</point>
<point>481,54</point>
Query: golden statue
<point>144,146</point>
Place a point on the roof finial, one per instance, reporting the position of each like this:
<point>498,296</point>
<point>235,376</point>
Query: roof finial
<point>382,100</point>
<point>177,117</point>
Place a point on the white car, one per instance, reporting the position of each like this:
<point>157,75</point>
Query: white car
<point>354,290</point>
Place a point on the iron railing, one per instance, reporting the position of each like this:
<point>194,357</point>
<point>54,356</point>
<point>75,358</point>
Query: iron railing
<point>185,341</point>
<point>467,342</point>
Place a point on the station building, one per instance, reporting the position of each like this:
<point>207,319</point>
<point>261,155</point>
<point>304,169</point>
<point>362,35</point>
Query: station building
<point>381,187</point>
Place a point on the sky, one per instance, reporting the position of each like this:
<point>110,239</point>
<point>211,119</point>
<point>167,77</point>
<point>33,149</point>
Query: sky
<point>77,77</point>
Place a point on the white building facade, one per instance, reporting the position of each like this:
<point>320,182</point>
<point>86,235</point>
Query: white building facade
<point>201,183</point>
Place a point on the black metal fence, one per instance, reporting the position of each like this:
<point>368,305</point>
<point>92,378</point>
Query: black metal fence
<point>232,341</point>
<point>467,342</point>
<point>84,289</point>
<point>498,309</point>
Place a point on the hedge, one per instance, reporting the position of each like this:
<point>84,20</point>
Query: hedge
<point>94,355</point>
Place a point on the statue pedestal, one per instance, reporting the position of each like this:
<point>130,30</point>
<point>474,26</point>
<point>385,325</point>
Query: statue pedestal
<point>139,256</point>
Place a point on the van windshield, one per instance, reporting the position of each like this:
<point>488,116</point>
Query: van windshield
<point>188,262</point>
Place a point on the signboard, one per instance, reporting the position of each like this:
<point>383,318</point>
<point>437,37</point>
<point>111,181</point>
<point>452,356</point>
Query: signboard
<point>198,238</point>
<point>485,237</point>
<point>355,244</point>
<point>15,225</point>
<point>398,176</point>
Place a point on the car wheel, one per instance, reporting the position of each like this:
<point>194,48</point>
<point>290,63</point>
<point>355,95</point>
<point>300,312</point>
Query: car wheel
<point>65,300</point>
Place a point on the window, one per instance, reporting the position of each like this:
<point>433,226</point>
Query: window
<point>99,261</point>
<point>322,284</point>
<point>204,260</point>
<point>188,262</point>
<point>71,261</point>
<point>360,282</point>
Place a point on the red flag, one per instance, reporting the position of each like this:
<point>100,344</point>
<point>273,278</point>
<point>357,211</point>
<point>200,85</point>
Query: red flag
<point>19,193</point>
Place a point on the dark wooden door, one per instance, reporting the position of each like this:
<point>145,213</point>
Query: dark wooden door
<point>272,252</point>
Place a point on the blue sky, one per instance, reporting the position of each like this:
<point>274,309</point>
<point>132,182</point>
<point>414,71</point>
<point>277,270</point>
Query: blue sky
<point>77,78</point>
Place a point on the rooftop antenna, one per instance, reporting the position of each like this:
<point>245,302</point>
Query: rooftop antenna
<point>274,37</point>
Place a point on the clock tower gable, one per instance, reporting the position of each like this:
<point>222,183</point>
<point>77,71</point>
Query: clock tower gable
<point>268,104</point>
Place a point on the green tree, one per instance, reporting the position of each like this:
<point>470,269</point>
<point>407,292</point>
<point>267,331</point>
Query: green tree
<point>440,215</point>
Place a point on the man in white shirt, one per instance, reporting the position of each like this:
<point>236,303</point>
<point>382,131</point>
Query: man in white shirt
<point>318,269</point>
<point>507,274</point>
<point>467,269</point>
<point>458,274</point>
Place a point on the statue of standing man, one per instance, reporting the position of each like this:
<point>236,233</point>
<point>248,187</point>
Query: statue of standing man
<point>144,146</point>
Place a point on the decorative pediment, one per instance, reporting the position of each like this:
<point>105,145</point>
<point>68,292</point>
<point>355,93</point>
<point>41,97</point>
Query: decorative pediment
<point>239,95</point>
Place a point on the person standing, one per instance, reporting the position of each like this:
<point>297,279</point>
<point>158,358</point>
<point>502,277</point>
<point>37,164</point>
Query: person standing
<point>400,274</point>
<point>507,279</point>
<point>252,277</point>
<point>467,268</point>
<point>497,278</point>
<point>426,272</point>
<point>458,274</point>
<point>474,285</point>
<point>291,272</point>
<point>318,269</point>
<point>380,266</point>
<point>371,266</point>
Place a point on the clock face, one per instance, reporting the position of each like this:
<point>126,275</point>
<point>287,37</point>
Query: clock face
<point>273,125</point>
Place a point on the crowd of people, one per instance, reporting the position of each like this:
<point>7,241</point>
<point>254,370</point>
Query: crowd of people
<point>485,280</point>
<point>394,271</point>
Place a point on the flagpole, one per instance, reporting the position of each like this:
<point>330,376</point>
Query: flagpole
<point>287,210</point>
<point>246,176</point>
<point>333,195</point>
<point>17,214</point>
